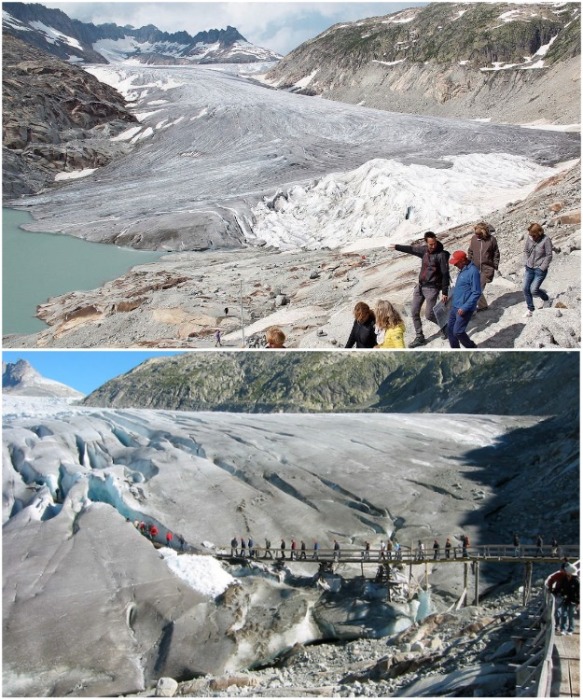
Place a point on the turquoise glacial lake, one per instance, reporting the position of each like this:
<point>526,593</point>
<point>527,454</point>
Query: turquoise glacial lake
<point>36,266</point>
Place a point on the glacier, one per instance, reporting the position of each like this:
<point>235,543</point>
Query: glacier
<point>125,613</point>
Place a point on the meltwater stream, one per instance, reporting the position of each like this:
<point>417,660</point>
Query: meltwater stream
<point>36,266</point>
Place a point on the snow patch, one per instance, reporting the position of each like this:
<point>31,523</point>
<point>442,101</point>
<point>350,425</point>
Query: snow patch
<point>304,82</point>
<point>52,35</point>
<point>75,174</point>
<point>202,573</point>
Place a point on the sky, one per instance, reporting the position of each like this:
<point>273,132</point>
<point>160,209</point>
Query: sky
<point>280,26</point>
<point>84,370</point>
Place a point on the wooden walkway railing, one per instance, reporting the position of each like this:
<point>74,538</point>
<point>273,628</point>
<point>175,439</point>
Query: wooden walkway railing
<point>407,555</point>
<point>550,666</point>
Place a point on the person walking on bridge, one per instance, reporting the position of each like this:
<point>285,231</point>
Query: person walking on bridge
<point>539,546</point>
<point>243,547</point>
<point>234,544</point>
<point>435,550</point>
<point>268,554</point>
<point>433,278</point>
<point>389,549</point>
<point>568,590</point>
<point>315,555</point>
<point>447,548</point>
<point>465,545</point>
<point>382,551</point>
<point>551,584</point>
<point>398,551</point>
<point>366,553</point>
<point>336,550</point>
<point>302,549</point>
<point>282,547</point>
<point>516,543</point>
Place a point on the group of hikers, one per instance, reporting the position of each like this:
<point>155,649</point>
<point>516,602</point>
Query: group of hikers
<point>384,327</point>
<point>151,531</point>
<point>564,586</point>
<point>539,543</point>
<point>386,550</point>
<point>246,547</point>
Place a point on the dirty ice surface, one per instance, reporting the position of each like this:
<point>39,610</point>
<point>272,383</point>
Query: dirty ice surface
<point>213,150</point>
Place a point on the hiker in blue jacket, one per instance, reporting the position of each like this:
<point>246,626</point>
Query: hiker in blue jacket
<point>465,296</point>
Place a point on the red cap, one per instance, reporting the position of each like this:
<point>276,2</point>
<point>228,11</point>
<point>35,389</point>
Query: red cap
<point>457,257</point>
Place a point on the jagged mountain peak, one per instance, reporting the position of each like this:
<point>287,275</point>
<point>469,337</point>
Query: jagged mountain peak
<point>20,378</point>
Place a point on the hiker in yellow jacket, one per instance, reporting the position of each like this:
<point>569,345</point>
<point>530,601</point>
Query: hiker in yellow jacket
<point>389,325</point>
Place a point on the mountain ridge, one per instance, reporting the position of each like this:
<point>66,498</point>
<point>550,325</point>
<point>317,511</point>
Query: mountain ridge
<point>53,31</point>
<point>447,59</point>
<point>266,382</point>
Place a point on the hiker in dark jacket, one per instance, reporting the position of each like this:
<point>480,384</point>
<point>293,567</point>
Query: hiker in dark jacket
<point>485,255</point>
<point>362,334</point>
<point>567,588</point>
<point>433,278</point>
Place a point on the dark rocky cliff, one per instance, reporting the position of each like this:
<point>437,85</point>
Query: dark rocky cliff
<point>55,118</point>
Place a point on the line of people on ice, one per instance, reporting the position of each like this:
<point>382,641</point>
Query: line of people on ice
<point>565,587</point>
<point>384,327</point>
<point>151,531</point>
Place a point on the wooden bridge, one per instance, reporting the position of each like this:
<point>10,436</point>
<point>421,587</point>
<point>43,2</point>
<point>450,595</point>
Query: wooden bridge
<point>549,662</point>
<point>408,555</point>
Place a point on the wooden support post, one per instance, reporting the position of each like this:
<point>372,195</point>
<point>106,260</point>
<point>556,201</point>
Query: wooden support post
<point>362,567</point>
<point>527,582</point>
<point>466,567</point>
<point>476,583</point>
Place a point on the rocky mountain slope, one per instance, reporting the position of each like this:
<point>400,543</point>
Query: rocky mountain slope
<point>387,382</point>
<point>500,61</point>
<point>56,118</point>
<point>21,379</point>
<point>82,42</point>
